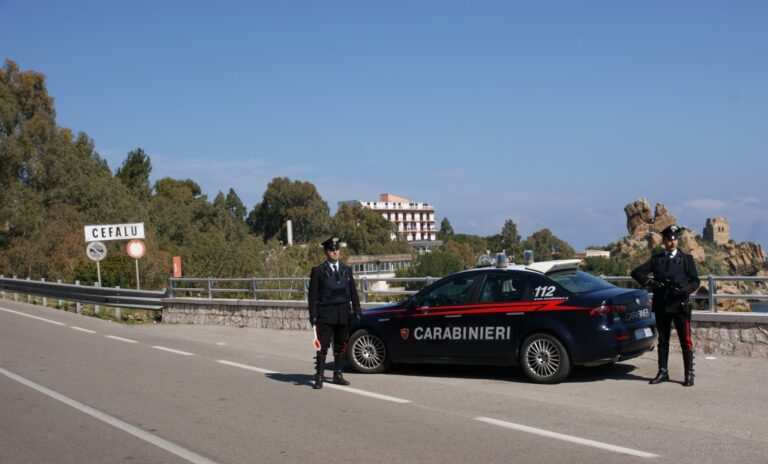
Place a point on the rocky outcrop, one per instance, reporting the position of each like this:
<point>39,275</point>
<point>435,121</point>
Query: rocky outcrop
<point>644,234</point>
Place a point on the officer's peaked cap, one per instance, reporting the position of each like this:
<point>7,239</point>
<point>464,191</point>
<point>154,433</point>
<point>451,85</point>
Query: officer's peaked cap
<point>672,232</point>
<point>331,244</point>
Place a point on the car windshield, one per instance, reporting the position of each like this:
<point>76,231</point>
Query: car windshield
<point>578,281</point>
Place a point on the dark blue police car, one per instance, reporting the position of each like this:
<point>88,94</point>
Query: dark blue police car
<point>545,317</point>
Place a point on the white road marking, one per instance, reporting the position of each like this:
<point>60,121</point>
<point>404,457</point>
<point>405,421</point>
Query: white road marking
<point>117,423</point>
<point>247,367</point>
<point>121,339</point>
<point>82,329</point>
<point>221,343</point>
<point>365,393</point>
<point>171,350</point>
<point>329,385</point>
<point>32,317</point>
<point>568,438</point>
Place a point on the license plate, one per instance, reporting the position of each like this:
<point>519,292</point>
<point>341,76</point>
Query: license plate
<point>637,315</point>
<point>643,333</point>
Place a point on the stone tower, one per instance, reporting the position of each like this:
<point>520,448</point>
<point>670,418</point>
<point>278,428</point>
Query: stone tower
<point>717,230</point>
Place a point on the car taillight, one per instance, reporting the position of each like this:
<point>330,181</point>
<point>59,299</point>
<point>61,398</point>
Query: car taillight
<point>605,309</point>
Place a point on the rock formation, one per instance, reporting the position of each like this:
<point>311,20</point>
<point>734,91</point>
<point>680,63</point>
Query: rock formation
<point>739,258</point>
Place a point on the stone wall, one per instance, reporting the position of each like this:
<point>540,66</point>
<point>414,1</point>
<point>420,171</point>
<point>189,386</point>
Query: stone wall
<point>722,334</point>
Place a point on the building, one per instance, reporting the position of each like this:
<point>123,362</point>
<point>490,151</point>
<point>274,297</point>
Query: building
<point>375,270</point>
<point>593,254</point>
<point>717,230</point>
<point>415,221</point>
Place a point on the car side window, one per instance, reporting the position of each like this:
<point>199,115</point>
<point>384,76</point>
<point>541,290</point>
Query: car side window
<point>452,292</point>
<point>500,288</point>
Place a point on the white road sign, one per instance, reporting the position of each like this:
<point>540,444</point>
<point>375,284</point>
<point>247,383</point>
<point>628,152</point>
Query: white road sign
<point>114,232</point>
<point>96,251</point>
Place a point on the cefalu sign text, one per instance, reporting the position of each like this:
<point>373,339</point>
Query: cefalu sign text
<point>114,232</point>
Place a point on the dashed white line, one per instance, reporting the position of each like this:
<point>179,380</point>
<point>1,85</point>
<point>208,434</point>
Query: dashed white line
<point>82,329</point>
<point>106,418</point>
<point>171,350</point>
<point>568,438</point>
<point>32,317</point>
<point>329,385</point>
<point>121,339</point>
<point>366,393</point>
<point>247,367</point>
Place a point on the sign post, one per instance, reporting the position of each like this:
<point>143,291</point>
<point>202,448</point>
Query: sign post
<point>136,249</point>
<point>96,251</point>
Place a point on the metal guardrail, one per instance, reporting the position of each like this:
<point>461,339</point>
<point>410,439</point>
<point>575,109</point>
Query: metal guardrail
<point>300,285</point>
<point>116,297</point>
<point>258,286</point>
<point>255,287</point>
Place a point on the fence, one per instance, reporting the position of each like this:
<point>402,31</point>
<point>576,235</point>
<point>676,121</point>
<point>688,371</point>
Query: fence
<point>115,297</point>
<point>282,288</point>
<point>299,286</point>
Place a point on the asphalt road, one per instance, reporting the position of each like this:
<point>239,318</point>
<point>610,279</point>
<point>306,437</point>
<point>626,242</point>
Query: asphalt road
<point>75,389</point>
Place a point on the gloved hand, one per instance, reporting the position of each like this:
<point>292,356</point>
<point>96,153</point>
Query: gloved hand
<point>355,316</point>
<point>655,285</point>
<point>679,292</point>
<point>312,320</point>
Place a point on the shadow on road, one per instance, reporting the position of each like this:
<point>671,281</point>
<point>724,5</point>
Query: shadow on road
<point>304,380</point>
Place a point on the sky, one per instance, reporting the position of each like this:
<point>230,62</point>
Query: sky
<point>555,114</point>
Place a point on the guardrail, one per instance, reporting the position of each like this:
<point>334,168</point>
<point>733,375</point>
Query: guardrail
<point>255,287</point>
<point>300,286</point>
<point>116,297</point>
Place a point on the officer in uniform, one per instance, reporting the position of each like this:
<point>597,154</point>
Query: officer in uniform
<point>333,304</point>
<point>674,279</point>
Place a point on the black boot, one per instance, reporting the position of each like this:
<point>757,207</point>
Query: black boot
<point>663,374</point>
<point>338,379</point>
<point>319,371</point>
<point>688,363</point>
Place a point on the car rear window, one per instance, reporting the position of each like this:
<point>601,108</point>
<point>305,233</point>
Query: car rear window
<point>578,281</point>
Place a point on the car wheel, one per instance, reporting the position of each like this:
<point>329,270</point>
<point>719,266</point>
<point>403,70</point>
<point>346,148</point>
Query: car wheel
<point>367,352</point>
<point>544,359</point>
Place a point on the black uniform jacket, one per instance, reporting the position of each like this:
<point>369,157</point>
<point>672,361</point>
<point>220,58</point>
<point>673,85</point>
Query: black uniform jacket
<point>679,271</point>
<point>335,313</point>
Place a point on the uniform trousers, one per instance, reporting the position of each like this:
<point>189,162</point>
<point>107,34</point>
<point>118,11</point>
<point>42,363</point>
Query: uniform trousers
<point>664,323</point>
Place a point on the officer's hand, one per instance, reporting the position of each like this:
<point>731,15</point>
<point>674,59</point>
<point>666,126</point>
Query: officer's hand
<point>311,320</point>
<point>680,292</point>
<point>655,285</point>
<point>355,316</point>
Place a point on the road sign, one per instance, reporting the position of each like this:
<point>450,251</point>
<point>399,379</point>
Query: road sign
<point>135,249</point>
<point>114,232</point>
<point>96,251</point>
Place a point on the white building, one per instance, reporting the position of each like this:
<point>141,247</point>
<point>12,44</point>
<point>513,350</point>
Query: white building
<point>415,221</point>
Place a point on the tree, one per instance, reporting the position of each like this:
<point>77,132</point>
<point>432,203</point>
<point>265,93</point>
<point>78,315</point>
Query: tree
<point>134,173</point>
<point>463,252</point>
<point>510,240</point>
<point>435,264</point>
<point>297,201</point>
<point>365,231</point>
<point>546,246</point>
<point>446,229</point>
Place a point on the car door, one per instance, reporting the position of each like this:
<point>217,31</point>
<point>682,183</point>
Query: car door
<point>491,324</point>
<point>426,329</point>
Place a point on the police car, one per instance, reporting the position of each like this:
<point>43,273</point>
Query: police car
<point>545,317</point>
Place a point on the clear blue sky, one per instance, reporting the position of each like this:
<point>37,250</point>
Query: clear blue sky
<point>553,114</point>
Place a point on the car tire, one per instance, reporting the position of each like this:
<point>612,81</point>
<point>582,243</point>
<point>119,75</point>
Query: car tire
<point>544,359</point>
<point>367,352</point>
